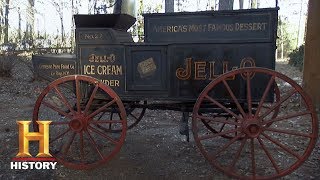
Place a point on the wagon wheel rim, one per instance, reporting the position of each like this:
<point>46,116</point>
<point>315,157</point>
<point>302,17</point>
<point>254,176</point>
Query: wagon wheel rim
<point>261,136</point>
<point>134,116</point>
<point>230,136</point>
<point>74,140</point>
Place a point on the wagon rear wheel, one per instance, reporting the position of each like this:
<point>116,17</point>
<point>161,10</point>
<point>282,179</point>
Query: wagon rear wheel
<point>263,146</point>
<point>71,104</point>
<point>225,117</point>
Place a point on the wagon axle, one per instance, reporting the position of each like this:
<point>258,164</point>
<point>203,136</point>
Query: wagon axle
<point>251,127</point>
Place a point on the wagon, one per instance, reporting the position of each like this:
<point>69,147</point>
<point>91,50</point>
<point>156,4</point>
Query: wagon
<point>248,120</point>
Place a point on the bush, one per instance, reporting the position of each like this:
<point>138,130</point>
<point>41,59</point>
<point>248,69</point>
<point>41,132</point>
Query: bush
<point>6,65</point>
<point>296,57</point>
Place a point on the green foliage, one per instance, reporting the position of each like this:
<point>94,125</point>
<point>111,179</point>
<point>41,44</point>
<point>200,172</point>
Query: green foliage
<point>296,57</point>
<point>286,40</point>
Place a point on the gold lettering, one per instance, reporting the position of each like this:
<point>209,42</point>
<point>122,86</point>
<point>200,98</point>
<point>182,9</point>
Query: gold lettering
<point>109,70</point>
<point>184,74</point>
<point>212,75</point>
<point>200,70</point>
<point>88,69</point>
<point>111,83</point>
<point>93,36</point>
<point>247,62</point>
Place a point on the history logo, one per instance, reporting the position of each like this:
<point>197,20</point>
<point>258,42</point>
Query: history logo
<point>24,159</point>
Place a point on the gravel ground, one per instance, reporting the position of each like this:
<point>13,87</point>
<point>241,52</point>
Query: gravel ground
<point>153,150</point>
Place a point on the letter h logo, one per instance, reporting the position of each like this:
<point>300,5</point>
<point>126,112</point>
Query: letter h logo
<point>25,136</point>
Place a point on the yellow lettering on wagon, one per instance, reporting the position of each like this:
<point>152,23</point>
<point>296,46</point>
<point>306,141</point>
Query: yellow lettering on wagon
<point>207,69</point>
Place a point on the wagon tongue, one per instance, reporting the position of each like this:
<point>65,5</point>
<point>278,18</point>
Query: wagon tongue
<point>116,21</point>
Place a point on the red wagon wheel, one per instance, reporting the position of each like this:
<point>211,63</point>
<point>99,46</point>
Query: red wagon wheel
<point>71,104</point>
<point>264,146</point>
<point>134,116</point>
<point>226,117</point>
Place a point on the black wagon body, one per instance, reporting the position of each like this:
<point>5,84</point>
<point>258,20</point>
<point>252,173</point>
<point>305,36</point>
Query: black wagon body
<point>182,52</point>
<point>219,65</point>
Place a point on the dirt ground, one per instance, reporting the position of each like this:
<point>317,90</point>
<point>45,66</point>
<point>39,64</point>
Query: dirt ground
<point>152,150</point>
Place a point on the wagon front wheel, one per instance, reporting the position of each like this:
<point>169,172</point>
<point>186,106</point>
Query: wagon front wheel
<point>262,145</point>
<point>74,104</point>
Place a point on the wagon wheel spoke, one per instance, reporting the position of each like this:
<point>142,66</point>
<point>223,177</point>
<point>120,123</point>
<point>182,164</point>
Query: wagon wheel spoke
<point>135,117</point>
<point>238,153</point>
<point>284,147</point>
<point>64,99</point>
<point>217,120</point>
<point>288,132</point>
<point>208,126</point>
<point>49,105</point>
<point>249,98</point>
<point>282,118</point>
<point>82,155</point>
<point>66,147</point>
<point>106,122</point>
<point>103,134</point>
<point>263,98</point>
<point>102,108</point>
<point>78,94</point>
<point>225,146</point>
<point>278,103</point>
<point>273,162</point>
<point>210,136</point>
<point>94,144</point>
<point>223,125</point>
<point>89,103</point>
<point>233,97</point>
<point>59,123</point>
<point>253,160</point>
<point>111,117</point>
<point>59,136</point>
<point>222,107</point>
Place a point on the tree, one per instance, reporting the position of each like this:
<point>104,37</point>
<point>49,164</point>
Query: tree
<point>19,29</point>
<point>30,20</point>
<point>240,4</point>
<point>286,39</point>
<point>253,4</point>
<point>226,5</point>
<point>169,6</point>
<point>6,22</point>
<point>59,6</point>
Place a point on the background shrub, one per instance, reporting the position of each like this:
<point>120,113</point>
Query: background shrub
<point>296,57</point>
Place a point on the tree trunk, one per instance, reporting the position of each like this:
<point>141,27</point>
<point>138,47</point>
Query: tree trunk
<point>6,22</point>
<point>253,4</point>
<point>226,5</point>
<point>30,20</point>
<point>19,29</point>
<point>1,22</point>
<point>169,6</point>
<point>311,73</point>
<point>240,4</point>
<point>62,28</point>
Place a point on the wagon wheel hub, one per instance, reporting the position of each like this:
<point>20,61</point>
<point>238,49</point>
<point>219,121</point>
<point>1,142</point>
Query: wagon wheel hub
<point>78,123</point>
<point>252,128</point>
